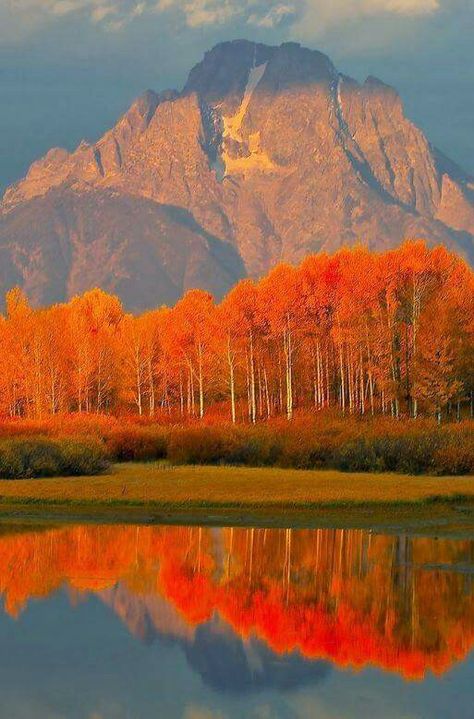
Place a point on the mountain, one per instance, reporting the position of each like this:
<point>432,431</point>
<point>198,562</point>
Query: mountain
<point>266,155</point>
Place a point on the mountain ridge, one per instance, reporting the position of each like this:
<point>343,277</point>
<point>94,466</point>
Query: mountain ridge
<point>269,154</point>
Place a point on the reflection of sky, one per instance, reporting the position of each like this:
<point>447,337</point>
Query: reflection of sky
<point>64,77</point>
<point>60,662</point>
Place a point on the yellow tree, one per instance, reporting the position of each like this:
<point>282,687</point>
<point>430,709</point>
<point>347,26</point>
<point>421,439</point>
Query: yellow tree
<point>280,304</point>
<point>192,325</point>
<point>94,321</point>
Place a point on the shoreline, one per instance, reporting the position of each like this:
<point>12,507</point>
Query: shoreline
<point>454,518</point>
<point>241,496</point>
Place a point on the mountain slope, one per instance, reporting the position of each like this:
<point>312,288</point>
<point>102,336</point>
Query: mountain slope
<point>267,154</point>
<point>65,242</point>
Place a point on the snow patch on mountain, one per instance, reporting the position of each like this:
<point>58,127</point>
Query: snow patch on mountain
<point>233,124</point>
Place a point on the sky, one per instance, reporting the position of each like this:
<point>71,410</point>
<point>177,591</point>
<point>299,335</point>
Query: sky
<point>69,68</point>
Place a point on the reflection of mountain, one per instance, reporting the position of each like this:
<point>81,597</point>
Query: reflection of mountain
<point>222,659</point>
<point>247,605</point>
<point>227,663</point>
<point>146,616</point>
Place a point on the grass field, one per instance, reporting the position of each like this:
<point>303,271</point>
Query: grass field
<point>205,490</point>
<point>244,486</point>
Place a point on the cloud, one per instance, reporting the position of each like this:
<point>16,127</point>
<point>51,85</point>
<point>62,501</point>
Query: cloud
<point>102,12</point>
<point>210,12</point>
<point>405,7</point>
<point>24,16</point>
<point>314,15</point>
<point>274,17</point>
<point>317,17</point>
<point>336,10</point>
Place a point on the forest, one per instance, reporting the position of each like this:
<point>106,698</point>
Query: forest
<point>360,332</point>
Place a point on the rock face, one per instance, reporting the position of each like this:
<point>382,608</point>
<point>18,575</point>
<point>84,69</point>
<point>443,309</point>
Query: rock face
<point>267,154</point>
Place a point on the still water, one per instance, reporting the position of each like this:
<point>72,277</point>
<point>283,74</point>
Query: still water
<point>136,622</point>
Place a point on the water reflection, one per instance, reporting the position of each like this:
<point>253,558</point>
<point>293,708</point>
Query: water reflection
<point>261,608</point>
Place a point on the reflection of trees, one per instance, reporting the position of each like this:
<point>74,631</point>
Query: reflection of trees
<point>347,596</point>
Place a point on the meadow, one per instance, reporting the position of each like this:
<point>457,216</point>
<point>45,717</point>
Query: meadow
<point>238,486</point>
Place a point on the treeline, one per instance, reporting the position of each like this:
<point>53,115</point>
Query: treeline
<point>364,333</point>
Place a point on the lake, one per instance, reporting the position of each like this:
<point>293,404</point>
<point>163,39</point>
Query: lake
<point>141,622</point>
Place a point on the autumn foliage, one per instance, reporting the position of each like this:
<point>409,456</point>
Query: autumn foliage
<point>358,332</point>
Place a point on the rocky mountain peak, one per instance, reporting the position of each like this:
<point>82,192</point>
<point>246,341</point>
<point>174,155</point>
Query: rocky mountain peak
<point>267,154</point>
<point>223,72</point>
<point>221,78</point>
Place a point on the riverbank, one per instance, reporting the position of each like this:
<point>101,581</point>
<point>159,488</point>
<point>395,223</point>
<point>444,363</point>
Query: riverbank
<point>156,492</point>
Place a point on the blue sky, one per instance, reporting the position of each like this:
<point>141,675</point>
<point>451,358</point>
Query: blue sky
<point>68,68</point>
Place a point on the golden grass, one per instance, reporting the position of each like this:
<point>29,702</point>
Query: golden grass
<point>236,486</point>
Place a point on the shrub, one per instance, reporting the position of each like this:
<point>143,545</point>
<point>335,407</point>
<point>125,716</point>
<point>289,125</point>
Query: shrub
<point>82,458</point>
<point>323,440</point>
<point>307,443</point>
<point>20,458</point>
<point>137,444</point>
<point>409,454</point>
<point>412,454</point>
<point>254,449</point>
<point>454,460</point>
<point>359,455</point>
<point>41,457</point>
<point>238,445</point>
<point>307,448</point>
<point>201,445</point>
